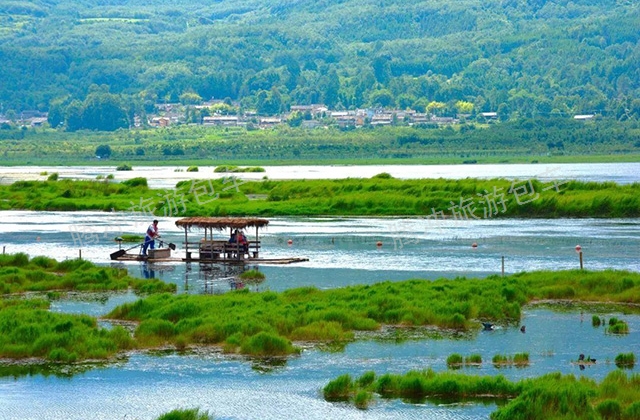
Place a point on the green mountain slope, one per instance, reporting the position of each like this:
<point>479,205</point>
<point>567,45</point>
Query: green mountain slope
<point>519,57</point>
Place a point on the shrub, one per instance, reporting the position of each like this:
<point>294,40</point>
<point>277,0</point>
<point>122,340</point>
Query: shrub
<point>124,167</point>
<point>53,177</point>
<point>192,169</point>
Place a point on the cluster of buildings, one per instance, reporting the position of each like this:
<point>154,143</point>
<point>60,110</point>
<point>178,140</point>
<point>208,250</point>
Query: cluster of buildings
<point>312,116</point>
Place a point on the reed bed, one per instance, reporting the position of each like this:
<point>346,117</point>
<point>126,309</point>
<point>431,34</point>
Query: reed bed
<point>551,396</point>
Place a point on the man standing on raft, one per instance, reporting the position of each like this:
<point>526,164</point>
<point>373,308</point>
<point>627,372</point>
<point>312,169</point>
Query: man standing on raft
<point>151,235</point>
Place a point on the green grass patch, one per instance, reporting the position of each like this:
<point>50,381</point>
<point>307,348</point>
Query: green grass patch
<point>309,314</point>
<point>19,274</point>
<point>625,360</point>
<point>186,414</point>
<point>379,195</point>
<point>28,329</point>
<point>551,396</point>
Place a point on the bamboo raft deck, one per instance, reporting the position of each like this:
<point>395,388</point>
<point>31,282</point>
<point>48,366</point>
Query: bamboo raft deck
<point>249,260</point>
<point>215,251</point>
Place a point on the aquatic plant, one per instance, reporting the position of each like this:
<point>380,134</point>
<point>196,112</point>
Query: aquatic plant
<point>454,361</point>
<point>625,360</point>
<point>29,330</point>
<point>618,326</point>
<point>186,414</point>
<point>124,167</point>
<point>309,314</point>
<point>518,360</point>
<point>474,359</point>
<point>551,396</point>
<point>192,169</point>
<point>253,275</point>
<point>131,237</point>
<point>596,321</point>
<point>339,389</point>
<point>20,274</point>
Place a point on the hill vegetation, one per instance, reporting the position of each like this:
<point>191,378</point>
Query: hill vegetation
<point>97,64</point>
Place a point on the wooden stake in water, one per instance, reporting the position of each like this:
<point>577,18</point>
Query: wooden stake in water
<point>579,251</point>
<point>503,266</point>
<point>80,254</point>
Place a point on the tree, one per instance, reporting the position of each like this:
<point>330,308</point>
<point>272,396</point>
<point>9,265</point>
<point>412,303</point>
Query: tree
<point>464,107</point>
<point>190,98</point>
<point>56,115</point>
<point>104,112</point>
<point>73,115</point>
<point>103,151</point>
<point>382,98</point>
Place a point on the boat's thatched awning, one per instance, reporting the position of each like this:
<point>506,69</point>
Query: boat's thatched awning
<point>221,223</point>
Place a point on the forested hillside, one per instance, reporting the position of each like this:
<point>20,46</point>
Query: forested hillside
<point>515,57</point>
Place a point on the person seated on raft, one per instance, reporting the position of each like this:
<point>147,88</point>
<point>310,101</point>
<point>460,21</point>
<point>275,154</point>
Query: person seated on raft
<point>242,240</point>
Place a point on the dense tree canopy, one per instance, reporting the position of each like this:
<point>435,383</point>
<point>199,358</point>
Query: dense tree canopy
<point>518,58</point>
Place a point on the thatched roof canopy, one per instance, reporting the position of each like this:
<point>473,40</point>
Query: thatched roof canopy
<point>221,223</point>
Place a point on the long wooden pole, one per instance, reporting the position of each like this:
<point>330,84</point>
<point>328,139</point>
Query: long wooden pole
<point>186,243</point>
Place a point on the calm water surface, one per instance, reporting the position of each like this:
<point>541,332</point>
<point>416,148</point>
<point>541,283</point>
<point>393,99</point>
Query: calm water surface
<point>341,251</point>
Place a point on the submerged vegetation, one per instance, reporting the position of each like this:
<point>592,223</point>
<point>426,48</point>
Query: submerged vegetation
<point>380,195</point>
<point>551,396</point>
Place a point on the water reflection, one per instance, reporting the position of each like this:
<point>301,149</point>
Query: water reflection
<point>214,279</point>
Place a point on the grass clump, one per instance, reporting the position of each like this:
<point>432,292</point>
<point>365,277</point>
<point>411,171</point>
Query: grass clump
<point>625,360</point>
<point>339,389</point>
<point>518,360</point>
<point>454,361</point>
<point>473,360</point>
<point>131,237</point>
<point>186,414</point>
<point>192,169</point>
<point>596,321</point>
<point>618,326</point>
<point>124,167</point>
<point>252,275</point>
